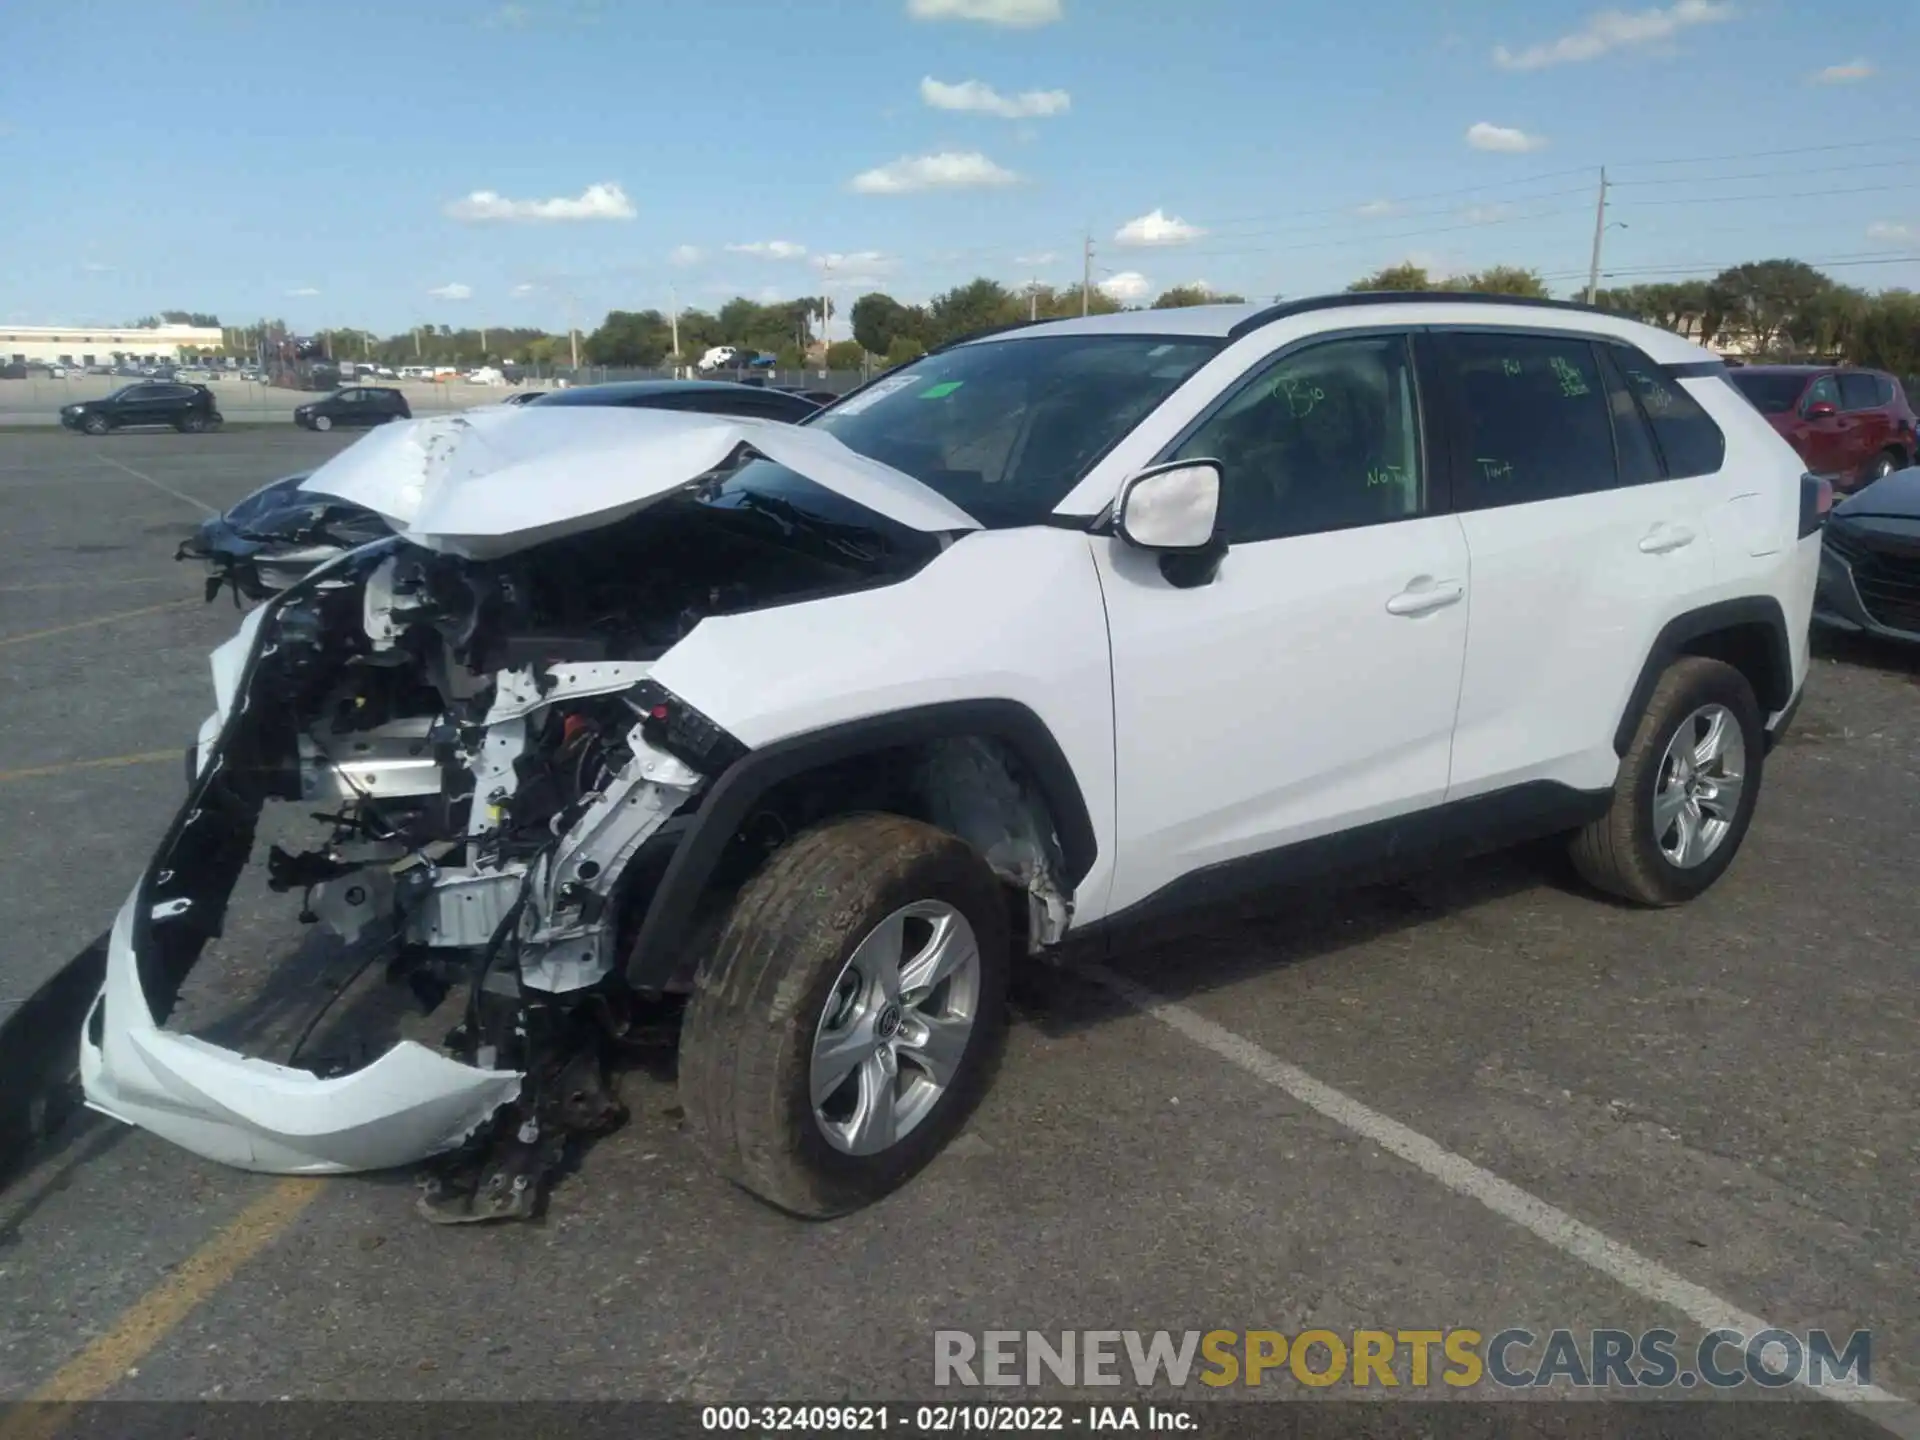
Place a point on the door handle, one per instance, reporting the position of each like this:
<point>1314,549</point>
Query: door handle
<point>1662,538</point>
<point>1427,599</point>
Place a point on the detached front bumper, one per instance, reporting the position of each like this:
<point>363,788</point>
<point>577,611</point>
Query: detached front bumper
<point>409,1104</point>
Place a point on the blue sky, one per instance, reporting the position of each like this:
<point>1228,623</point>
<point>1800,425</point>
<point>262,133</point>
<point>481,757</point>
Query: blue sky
<point>339,164</point>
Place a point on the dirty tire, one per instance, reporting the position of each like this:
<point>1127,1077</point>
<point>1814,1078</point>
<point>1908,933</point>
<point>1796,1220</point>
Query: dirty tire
<point>747,1044</point>
<point>1619,853</point>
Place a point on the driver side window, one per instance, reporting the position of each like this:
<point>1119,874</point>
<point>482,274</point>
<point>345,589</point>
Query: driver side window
<point>1826,389</point>
<point>1325,438</point>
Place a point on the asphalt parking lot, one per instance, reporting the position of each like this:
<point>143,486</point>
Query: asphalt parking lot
<point>1297,1115</point>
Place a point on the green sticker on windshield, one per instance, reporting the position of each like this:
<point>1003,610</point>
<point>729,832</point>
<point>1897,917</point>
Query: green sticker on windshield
<point>942,390</point>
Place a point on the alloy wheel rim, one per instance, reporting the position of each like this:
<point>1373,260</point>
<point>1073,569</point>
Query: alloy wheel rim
<point>1697,795</point>
<point>894,1031</point>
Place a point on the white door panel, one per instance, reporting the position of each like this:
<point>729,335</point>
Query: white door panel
<point>1568,596</point>
<point>1309,687</point>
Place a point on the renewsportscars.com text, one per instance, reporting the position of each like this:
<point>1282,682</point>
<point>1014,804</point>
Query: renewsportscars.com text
<point>1389,1359</point>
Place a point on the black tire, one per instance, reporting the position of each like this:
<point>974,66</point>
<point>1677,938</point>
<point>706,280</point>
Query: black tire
<point>747,1044</point>
<point>321,422</point>
<point>1883,464</point>
<point>95,425</point>
<point>192,424</point>
<point>1619,853</point>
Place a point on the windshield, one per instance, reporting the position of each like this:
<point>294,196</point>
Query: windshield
<point>1771,394</point>
<point>1006,428</point>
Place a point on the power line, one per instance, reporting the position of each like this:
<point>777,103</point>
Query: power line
<point>1769,154</point>
<point>1763,174</point>
<point>1779,195</point>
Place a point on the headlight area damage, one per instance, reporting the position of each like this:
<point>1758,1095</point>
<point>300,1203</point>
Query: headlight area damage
<point>491,786</point>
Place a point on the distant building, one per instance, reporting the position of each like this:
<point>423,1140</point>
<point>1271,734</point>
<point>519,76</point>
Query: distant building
<point>103,344</point>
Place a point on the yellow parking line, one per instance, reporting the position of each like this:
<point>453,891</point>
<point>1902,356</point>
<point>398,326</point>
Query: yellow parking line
<point>6,640</point>
<point>151,1318</point>
<point>111,762</point>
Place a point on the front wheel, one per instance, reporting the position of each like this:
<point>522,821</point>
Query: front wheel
<point>850,1016</point>
<point>322,422</point>
<point>95,425</point>
<point>1685,792</point>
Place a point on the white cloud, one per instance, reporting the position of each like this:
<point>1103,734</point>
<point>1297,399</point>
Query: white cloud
<point>979,96</point>
<point>770,249</point>
<point>1614,30</point>
<point>1014,14</point>
<point>596,202</point>
<point>454,290</point>
<point>685,255</point>
<point>303,292</point>
<point>508,17</point>
<point>1376,209</point>
<point>855,268</point>
<point>1126,287</point>
<point>1156,227</point>
<point>1888,230</point>
<point>949,170</point>
<point>1844,74</point>
<point>1482,136</point>
<point>1045,257</point>
<point>94,267</point>
<point>1485,214</point>
<point>524,288</point>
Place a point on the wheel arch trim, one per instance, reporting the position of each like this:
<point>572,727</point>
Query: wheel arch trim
<point>1693,625</point>
<point>655,953</point>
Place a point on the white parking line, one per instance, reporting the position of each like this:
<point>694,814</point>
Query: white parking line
<point>1646,1278</point>
<point>199,505</point>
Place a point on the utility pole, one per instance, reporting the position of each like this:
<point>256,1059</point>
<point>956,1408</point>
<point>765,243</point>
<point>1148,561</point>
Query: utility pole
<point>1599,229</point>
<point>573,334</point>
<point>1033,299</point>
<point>483,342</point>
<point>1086,276</point>
<point>673,320</point>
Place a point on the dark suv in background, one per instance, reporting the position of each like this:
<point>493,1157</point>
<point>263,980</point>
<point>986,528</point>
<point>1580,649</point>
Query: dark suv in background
<point>189,408</point>
<point>356,405</point>
<point>1850,426</point>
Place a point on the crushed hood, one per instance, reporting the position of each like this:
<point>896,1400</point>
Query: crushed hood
<point>490,482</point>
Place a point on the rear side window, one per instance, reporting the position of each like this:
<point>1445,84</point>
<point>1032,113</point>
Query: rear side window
<point>1635,452</point>
<point>1532,418</point>
<point>1858,391</point>
<point>1883,386</point>
<point>1690,443</point>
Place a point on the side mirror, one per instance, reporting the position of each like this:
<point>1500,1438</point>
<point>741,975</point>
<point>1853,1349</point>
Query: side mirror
<point>1820,409</point>
<point>1173,508</point>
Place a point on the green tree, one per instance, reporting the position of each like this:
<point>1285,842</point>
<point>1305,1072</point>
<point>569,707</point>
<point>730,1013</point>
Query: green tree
<point>1406,276</point>
<point>967,309</point>
<point>1889,333</point>
<point>1183,295</point>
<point>903,349</point>
<point>1767,302</point>
<point>629,337</point>
<point>878,320</point>
<point>1504,280</point>
<point>845,355</point>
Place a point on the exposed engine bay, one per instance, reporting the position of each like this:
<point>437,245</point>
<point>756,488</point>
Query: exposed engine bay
<point>493,785</point>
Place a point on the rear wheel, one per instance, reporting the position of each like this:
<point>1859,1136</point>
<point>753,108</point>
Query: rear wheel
<point>1885,463</point>
<point>1685,792</point>
<point>850,1015</point>
<point>192,424</point>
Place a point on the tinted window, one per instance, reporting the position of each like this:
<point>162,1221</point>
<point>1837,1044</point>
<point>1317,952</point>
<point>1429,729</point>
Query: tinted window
<point>1322,439</point>
<point>1006,428</point>
<point>1533,422</point>
<point>1689,441</point>
<point>1824,391</point>
<point>1635,454</point>
<point>1771,394</point>
<point>169,392</point>
<point>1857,391</point>
<point>1883,387</point>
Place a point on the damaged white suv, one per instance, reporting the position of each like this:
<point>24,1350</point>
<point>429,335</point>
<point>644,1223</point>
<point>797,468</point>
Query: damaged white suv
<point>827,728</point>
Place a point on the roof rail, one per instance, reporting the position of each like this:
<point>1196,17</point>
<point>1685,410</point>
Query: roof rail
<point>1286,308</point>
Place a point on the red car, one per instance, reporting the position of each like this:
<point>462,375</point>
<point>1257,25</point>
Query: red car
<point>1851,426</point>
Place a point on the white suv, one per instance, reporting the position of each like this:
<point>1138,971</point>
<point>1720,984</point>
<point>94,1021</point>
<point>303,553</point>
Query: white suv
<point>822,730</point>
